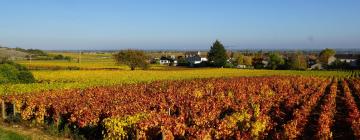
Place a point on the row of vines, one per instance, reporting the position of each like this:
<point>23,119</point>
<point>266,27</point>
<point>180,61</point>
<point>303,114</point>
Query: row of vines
<point>278,107</point>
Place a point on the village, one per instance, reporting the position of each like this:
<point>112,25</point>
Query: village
<point>258,60</point>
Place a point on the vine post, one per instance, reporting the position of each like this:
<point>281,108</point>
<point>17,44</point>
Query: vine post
<point>3,110</point>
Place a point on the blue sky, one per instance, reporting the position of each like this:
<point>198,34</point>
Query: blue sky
<point>179,24</point>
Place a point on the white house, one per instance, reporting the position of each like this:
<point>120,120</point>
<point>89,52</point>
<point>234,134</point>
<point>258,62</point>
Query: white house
<point>194,57</point>
<point>316,66</point>
<point>164,61</point>
<point>348,58</point>
<point>241,66</point>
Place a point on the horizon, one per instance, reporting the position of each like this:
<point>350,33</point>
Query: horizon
<point>180,25</point>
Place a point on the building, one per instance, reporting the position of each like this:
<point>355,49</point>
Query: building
<point>192,54</point>
<point>164,61</point>
<point>168,61</point>
<point>194,58</point>
<point>348,58</point>
<point>331,59</point>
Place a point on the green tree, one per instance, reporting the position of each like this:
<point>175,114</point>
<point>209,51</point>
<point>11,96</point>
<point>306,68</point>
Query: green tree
<point>298,61</point>
<point>132,58</point>
<point>276,60</point>
<point>217,55</point>
<point>325,55</point>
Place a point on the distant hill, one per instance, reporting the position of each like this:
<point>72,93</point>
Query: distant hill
<point>12,53</point>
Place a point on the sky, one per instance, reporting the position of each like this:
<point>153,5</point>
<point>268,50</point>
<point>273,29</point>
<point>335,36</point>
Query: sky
<point>179,24</point>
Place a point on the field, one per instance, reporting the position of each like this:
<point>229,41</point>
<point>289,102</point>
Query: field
<point>277,107</point>
<point>65,79</point>
<point>101,100</point>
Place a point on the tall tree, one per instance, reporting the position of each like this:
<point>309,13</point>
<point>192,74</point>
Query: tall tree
<point>298,61</point>
<point>217,54</point>
<point>276,60</point>
<point>325,55</point>
<point>132,58</point>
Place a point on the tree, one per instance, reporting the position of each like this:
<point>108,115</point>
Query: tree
<point>337,64</point>
<point>276,61</point>
<point>240,59</point>
<point>257,60</point>
<point>247,60</point>
<point>182,61</point>
<point>325,55</point>
<point>132,58</point>
<point>217,54</point>
<point>298,61</point>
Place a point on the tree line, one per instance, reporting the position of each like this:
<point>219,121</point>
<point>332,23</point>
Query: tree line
<point>218,56</point>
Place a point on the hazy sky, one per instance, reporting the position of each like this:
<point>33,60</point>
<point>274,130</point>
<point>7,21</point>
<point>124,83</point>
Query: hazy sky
<point>179,24</point>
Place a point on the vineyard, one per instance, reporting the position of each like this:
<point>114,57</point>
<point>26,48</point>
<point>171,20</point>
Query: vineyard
<point>276,107</point>
<point>82,79</point>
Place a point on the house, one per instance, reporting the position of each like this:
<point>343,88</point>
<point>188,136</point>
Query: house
<point>348,58</point>
<point>194,58</point>
<point>164,62</point>
<point>311,60</point>
<point>331,60</point>
<point>316,66</point>
<point>241,66</point>
<point>168,61</point>
<point>192,54</point>
<point>265,63</point>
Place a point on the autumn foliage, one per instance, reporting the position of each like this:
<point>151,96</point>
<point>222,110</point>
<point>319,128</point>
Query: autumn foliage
<point>217,108</point>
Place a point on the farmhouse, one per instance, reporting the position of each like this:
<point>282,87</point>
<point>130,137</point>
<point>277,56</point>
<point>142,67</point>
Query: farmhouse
<point>194,58</point>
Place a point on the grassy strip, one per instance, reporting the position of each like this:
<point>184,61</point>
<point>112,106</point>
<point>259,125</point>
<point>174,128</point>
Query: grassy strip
<point>9,135</point>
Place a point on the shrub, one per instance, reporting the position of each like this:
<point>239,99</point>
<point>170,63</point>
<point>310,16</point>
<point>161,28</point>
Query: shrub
<point>26,77</point>
<point>8,74</point>
<point>11,72</point>
<point>228,65</point>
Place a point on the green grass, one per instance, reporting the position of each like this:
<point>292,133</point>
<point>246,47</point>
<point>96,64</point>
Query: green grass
<point>7,135</point>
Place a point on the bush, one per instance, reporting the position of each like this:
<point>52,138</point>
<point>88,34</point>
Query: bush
<point>59,57</point>
<point>8,74</point>
<point>26,77</point>
<point>11,72</point>
<point>228,65</point>
<point>73,68</point>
